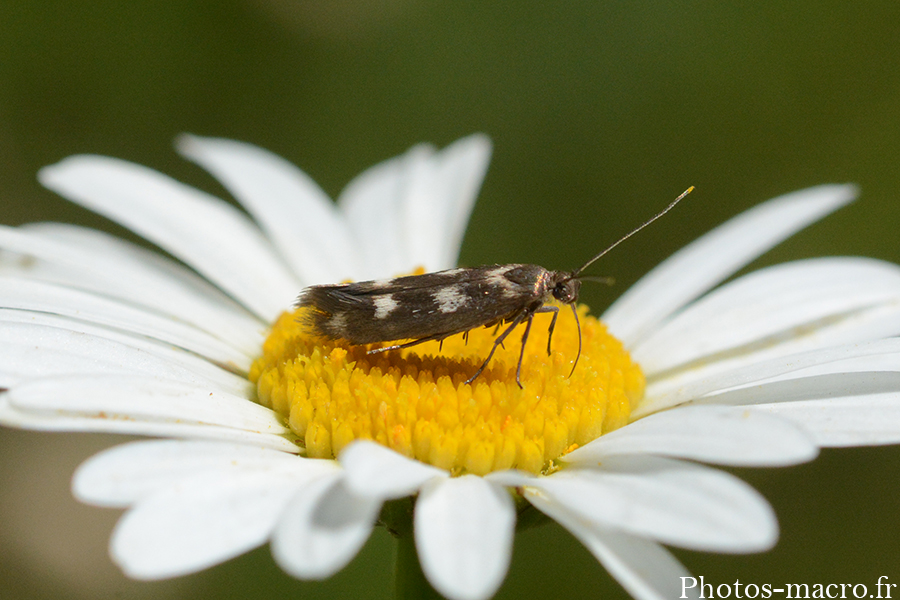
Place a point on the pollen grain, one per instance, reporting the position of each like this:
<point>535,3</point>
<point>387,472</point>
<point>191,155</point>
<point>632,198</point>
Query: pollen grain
<point>416,401</point>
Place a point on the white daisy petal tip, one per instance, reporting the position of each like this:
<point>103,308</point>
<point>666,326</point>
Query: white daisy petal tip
<point>48,175</point>
<point>145,561</point>
<point>197,522</point>
<point>476,150</point>
<point>464,531</point>
<point>92,484</point>
<point>187,144</point>
<point>322,529</point>
<point>374,470</point>
<point>842,193</point>
<point>76,169</point>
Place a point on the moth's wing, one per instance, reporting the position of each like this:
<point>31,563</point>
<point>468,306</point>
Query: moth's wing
<point>432,305</point>
<point>425,281</point>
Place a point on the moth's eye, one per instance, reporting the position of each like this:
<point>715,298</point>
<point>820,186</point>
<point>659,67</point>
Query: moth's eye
<point>563,292</point>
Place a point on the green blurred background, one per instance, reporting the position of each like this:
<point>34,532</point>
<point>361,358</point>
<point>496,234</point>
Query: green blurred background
<point>600,113</point>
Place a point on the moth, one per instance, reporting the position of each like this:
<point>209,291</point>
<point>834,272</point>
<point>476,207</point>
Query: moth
<point>434,306</point>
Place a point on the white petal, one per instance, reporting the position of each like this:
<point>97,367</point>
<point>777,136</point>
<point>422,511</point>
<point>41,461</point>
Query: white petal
<point>817,387</point>
<point>869,420</point>
<point>411,211</point>
<point>121,255</point>
<point>674,502</point>
<point>373,205</point>
<point>33,346</point>
<point>709,384</point>
<point>184,221</point>
<point>322,529</point>
<point>91,260</point>
<point>716,434</point>
<point>871,323</point>
<point>36,345</point>
<point>512,478</point>
<point>644,568</point>
<point>710,259</point>
<point>50,298</point>
<point>42,421</point>
<point>299,217</point>
<point>464,532</point>
<point>202,521</point>
<point>142,398</point>
<point>438,204</point>
<point>122,475</point>
<point>879,356</point>
<point>374,470</point>
<point>780,302</point>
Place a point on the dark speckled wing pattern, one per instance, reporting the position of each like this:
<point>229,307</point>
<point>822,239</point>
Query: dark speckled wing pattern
<point>429,306</point>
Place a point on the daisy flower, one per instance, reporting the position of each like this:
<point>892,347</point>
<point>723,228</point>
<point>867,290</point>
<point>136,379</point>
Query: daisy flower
<point>272,435</point>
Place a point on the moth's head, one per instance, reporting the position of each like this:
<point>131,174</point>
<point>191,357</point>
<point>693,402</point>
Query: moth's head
<point>566,288</point>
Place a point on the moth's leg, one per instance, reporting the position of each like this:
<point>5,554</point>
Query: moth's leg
<point>498,342</point>
<point>555,311</point>
<point>522,350</point>
<point>496,329</point>
<point>437,336</point>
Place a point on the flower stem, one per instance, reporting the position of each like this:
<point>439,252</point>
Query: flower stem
<point>409,580</point>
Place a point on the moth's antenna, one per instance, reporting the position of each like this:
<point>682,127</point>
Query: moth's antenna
<point>634,231</point>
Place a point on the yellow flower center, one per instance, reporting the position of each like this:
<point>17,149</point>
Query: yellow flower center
<point>416,401</point>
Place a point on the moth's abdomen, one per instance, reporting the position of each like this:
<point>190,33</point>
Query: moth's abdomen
<point>335,315</point>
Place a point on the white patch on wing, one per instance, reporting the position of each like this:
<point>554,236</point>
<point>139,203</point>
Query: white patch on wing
<point>449,298</point>
<point>384,305</point>
<point>381,283</point>
<point>497,277</point>
<point>338,325</point>
<point>451,272</point>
